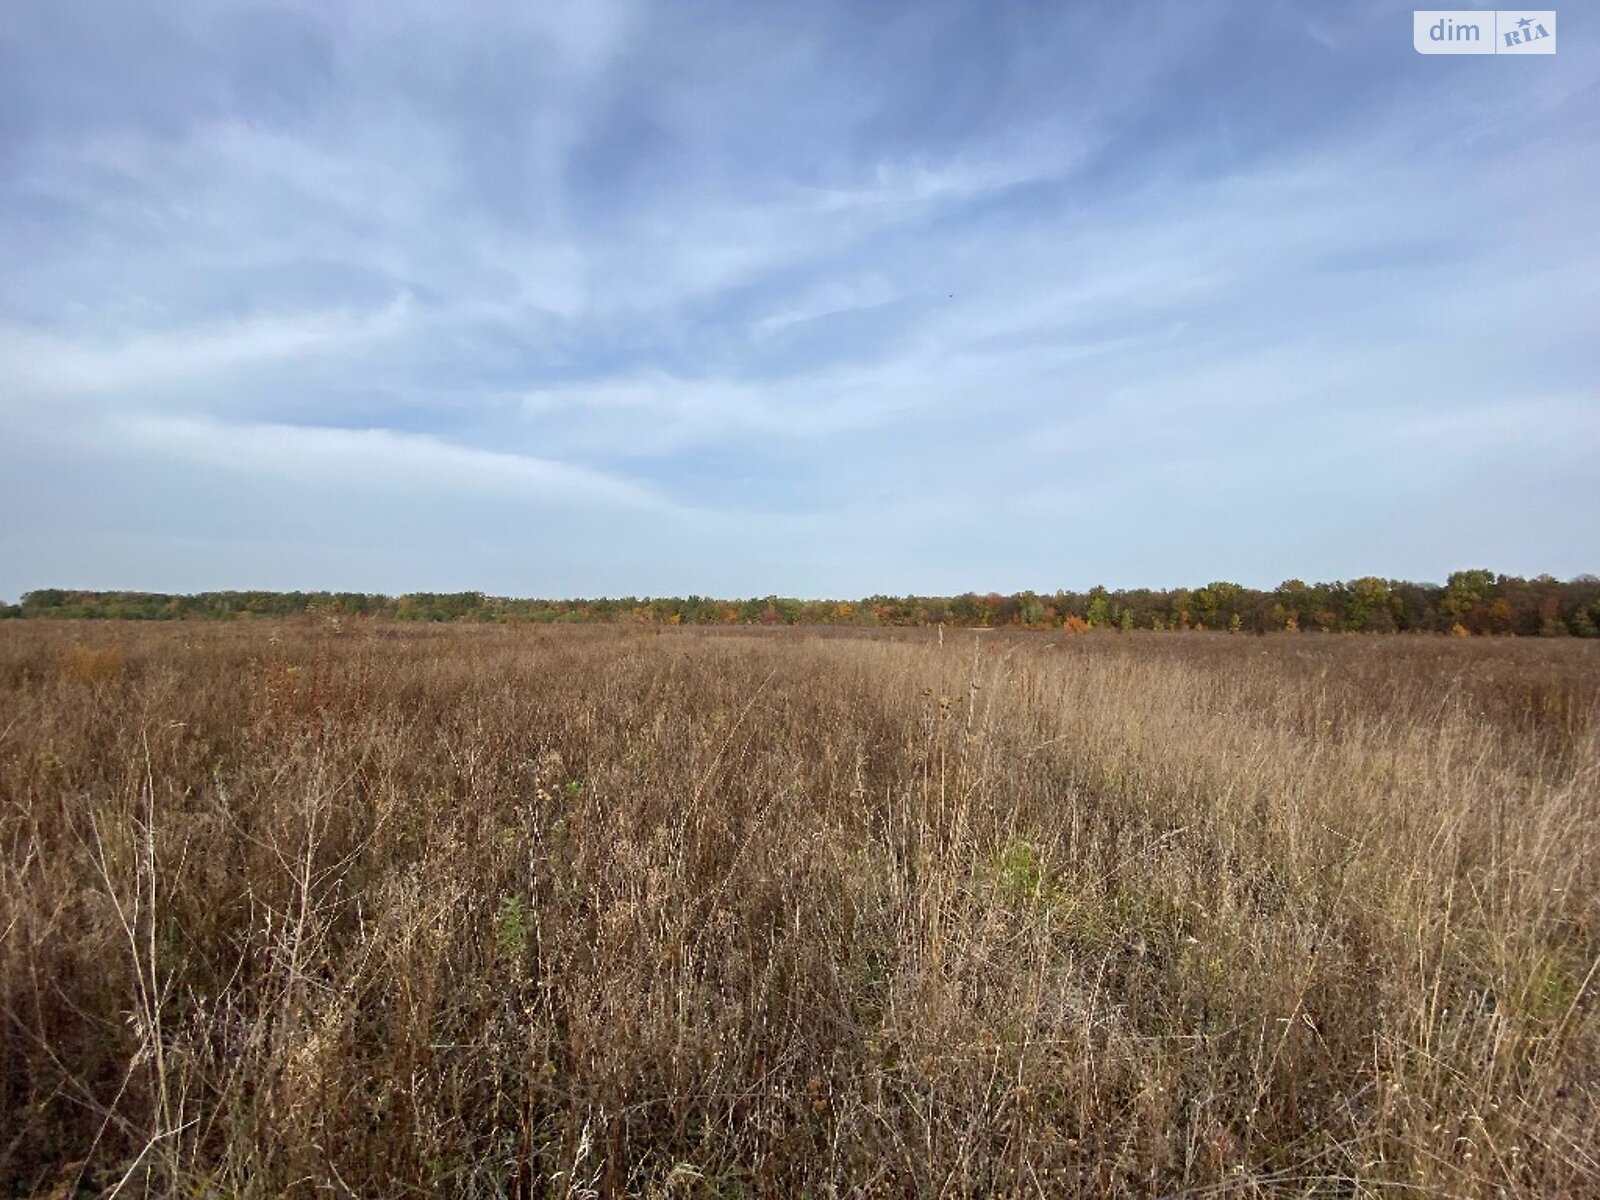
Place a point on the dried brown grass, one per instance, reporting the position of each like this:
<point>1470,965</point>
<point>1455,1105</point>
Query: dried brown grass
<point>298,909</point>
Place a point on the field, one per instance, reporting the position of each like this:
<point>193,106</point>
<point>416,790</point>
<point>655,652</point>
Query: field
<point>379,910</point>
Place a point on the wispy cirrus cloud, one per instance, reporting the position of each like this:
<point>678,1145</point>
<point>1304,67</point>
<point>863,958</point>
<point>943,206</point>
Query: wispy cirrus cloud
<point>381,458</point>
<point>138,361</point>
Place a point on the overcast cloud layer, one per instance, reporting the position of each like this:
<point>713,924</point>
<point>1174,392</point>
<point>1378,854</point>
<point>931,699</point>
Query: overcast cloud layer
<point>813,298</point>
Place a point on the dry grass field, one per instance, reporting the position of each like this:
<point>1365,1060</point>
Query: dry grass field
<point>301,909</point>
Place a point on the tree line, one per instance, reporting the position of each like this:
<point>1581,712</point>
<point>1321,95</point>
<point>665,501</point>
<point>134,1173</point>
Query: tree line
<point>1477,602</point>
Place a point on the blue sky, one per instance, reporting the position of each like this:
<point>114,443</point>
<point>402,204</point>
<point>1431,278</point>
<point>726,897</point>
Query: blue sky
<point>823,299</point>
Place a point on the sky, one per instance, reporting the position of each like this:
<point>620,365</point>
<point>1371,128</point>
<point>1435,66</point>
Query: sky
<point>817,299</point>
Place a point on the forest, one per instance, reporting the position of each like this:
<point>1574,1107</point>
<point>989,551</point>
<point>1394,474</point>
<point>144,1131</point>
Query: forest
<point>1469,603</point>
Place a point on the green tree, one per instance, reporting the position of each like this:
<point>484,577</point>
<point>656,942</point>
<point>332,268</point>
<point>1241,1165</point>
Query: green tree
<point>1030,609</point>
<point>1366,606</point>
<point>1098,614</point>
<point>1464,595</point>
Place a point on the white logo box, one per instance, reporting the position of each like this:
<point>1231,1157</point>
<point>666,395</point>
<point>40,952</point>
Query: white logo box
<point>1483,31</point>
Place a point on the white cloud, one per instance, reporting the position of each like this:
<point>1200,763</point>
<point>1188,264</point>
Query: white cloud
<point>584,256</point>
<point>363,458</point>
<point>55,365</point>
<point>828,299</point>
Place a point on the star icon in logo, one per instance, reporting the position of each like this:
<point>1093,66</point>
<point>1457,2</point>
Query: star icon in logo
<point>1524,23</point>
